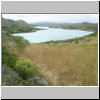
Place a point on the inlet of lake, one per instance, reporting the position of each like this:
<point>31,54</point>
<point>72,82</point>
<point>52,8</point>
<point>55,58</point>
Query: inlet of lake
<point>52,34</point>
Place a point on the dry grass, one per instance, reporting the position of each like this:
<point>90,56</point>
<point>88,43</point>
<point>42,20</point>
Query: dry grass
<point>65,64</point>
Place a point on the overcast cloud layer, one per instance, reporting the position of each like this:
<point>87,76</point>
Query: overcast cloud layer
<point>59,18</point>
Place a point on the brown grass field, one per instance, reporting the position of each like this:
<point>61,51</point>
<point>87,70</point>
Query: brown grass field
<point>66,64</point>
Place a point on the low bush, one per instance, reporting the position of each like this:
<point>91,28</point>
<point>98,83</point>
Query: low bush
<point>8,58</point>
<point>21,43</point>
<point>25,68</point>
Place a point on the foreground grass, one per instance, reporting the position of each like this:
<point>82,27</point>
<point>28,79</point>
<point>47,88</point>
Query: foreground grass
<point>64,64</point>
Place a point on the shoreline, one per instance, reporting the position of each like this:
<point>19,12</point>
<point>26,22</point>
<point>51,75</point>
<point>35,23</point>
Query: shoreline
<point>68,40</point>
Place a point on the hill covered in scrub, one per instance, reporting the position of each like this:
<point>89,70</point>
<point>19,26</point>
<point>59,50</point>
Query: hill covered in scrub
<point>83,26</point>
<point>16,26</point>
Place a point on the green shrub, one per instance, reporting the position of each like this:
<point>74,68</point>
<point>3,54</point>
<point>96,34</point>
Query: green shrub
<point>20,42</point>
<point>25,68</point>
<point>8,58</point>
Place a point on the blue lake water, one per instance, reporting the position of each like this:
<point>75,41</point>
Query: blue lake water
<point>52,34</point>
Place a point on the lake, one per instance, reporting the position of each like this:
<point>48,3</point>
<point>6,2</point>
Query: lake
<point>52,34</point>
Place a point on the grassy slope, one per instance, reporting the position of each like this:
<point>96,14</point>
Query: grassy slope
<point>65,63</point>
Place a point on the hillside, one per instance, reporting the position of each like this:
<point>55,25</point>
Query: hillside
<point>16,26</point>
<point>67,63</point>
<point>83,26</point>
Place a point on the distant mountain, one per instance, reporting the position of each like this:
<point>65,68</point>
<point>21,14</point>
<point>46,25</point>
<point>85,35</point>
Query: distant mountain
<point>49,24</point>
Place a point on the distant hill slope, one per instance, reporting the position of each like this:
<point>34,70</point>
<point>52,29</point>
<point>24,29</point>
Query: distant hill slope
<point>16,26</point>
<point>82,26</point>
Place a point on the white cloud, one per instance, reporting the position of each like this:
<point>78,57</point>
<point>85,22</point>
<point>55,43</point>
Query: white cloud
<point>70,18</point>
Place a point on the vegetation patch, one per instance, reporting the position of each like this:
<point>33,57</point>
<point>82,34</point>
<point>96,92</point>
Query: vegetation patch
<point>25,68</point>
<point>8,58</point>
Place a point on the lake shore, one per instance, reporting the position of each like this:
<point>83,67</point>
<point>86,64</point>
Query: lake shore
<point>46,34</point>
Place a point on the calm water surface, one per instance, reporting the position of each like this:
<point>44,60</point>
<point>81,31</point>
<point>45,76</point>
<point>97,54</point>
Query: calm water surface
<point>51,34</point>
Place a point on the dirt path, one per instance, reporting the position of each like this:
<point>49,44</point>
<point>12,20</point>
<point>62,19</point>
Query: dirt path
<point>51,76</point>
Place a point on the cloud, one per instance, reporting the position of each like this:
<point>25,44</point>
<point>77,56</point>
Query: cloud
<point>69,18</point>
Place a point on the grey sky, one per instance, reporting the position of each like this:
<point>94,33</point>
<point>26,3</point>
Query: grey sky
<point>69,18</point>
